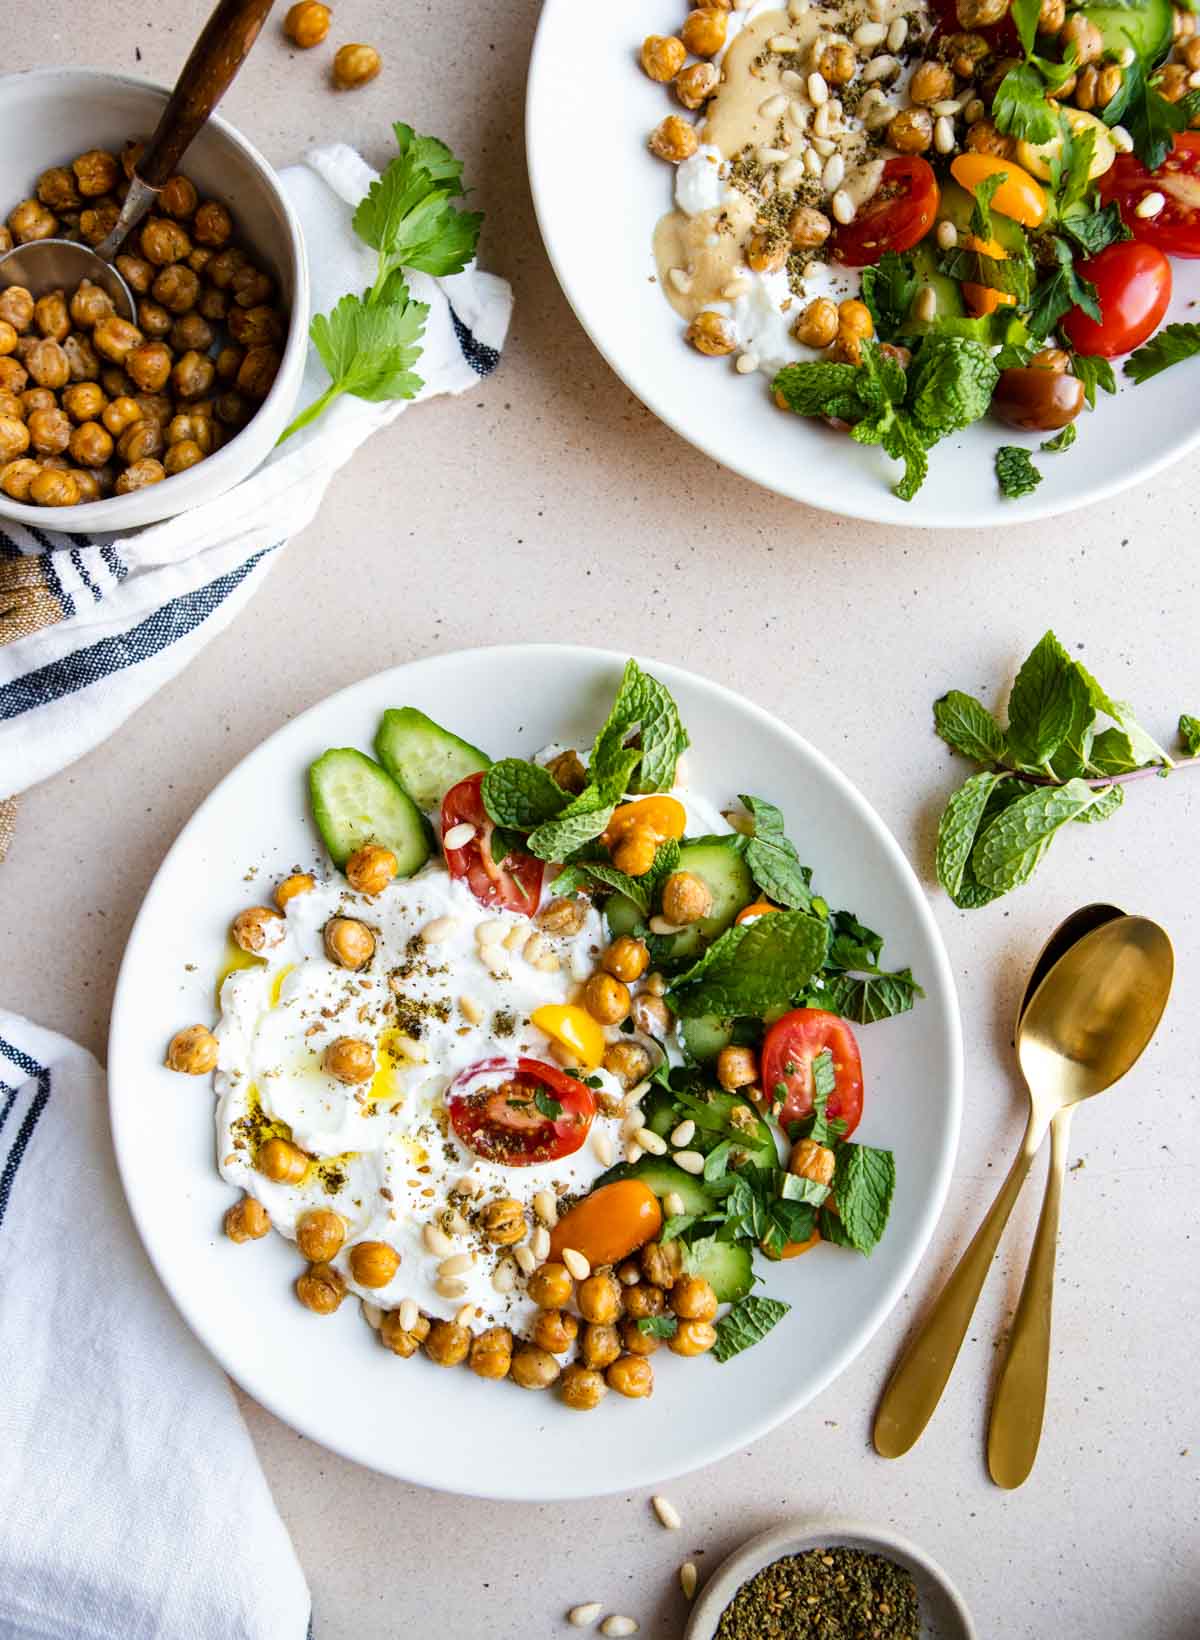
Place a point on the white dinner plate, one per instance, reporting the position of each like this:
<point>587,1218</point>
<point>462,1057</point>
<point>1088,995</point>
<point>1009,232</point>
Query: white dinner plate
<point>329,1377</point>
<point>598,193</point>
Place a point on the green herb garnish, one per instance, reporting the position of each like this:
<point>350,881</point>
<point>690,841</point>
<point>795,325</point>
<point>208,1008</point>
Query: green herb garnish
<point>1015,472</point>
<point>749,1321</point>
<point>1172,345</point>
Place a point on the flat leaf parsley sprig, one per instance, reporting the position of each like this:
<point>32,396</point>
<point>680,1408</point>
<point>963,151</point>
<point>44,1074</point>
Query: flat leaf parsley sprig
<point>1055,761</point>
<point>370,343</point>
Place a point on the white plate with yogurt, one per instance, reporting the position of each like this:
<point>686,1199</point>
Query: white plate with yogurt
<point>600,194</point>
<point>328,1377</point>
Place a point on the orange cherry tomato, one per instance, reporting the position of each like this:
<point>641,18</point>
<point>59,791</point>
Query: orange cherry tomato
<point>793,1249</point>
<point>1019,196</point>
<point>609,1224</point>
<point>982,300</point>
<point>663,817</point>
<point>760,908</point>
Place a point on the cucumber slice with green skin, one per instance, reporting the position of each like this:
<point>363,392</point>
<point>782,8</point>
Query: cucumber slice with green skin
<point>662,1176</point>
<point>705,1036</point>
<point>947,294</point>
<point>956,205</point>
<point>354,802</point>
<point>423,757</point>
<point>1147,30</point>
<point>727,1266</point>
<point>719,862</point>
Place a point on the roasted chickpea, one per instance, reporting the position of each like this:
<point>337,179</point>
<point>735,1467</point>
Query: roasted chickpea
<point>695,84</point>
<point>355,65</point>
<point>599,1297</point>
<point>634,852</point>
<point>96,172</point>
<point>91,444</point>
<point>300,882</point>
<point>817,324</point>
<point>56,189</point>
<point>838,64</point>
<point>984,138</point>
<point>320,1289</point>
<point>371,868</point>
<point>534,1368</point>
<point>974,14</point>
<point>13,376</point>
<point>1170,82</point>
<point>16,308</point>
<point>47,364</point>
<point>6,238</point>
<point>178,197</point>
<point>965,52</point>
<point>181,456</point>
<point>582,1388</point>
<point>163,241</point>
<point>693,1299</point>
<point>661,1263</point>
<point>16,477</point>
<point>631,1376</point>
<point>306,25</point>
<point>931,82</point>
<point>119,414</point>
<point>31,221</point>
<point>191,333</point>
<point>712,334</point>
<point>98,221</point>
<point>214,306</point>
<point>137,273</point>
<point>349,1059</point>
<point>51,317</point>
<point>692,1338</point>
<point>565,915</point>
<point>662,56</point>
<point>491,1352</point>
<point>232,409</point>
<point>187,427</point>
<point>643,1300</point>
<point>1097,86</point>
<point>257,371</point>
<point>808,228</point>
<point>153,319</point>
<point>90,304</point>
<point>281,1160</point>
<point>116,338</point>
<point>626,959</point>
<point>258,928</point>
<point>8,337</point>
<point>373,1263</point>
<point>115,382</point>
<point>212,226</point>
<point>1079,31</point>
<point>229,362</point>
<point>448,1344</point>
<point>599,1344</point>
<point>1189,52</point>
<point>199,258</point>
<point>767,252</point>
<point>156,407</point>
<point>503,1221</point>
<point>606,999</point>
<point>192,1051</point>
<point>142,440</point>
<point>88,481</point>
<point>636,1341</point>
<point>149,367</point>
<point>10,405</point>
<point>911,131</point>
<point>686,898</point>
<point>247,1220</point>
<point>139,475</point>
<point>651,1015</point>
<point>37,398</point>
<point>49,432</point>
<point>177,288</point>
<point>736,1068</point>
<point>82,360</point>
<point>628,1062</point>
<point>550,1285</point>
<point>810,1160</point>
<point>319,1234</point>
<point>674,140</point>
<point>401,1340</point>
<point>554,1330</point>
<point>703,31</point>
<point>348,942</point>
<point>14,441</point>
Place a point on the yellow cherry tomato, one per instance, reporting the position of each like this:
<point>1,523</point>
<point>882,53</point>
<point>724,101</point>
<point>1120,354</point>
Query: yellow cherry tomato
<point>1036,157</point>
<point>1018,196</point>
<point>663,817</point>
<point>573,1027</point>
<point>986,247</point>
<point>609,1224</point>
<point>982,300</point>
<point>760,908</point>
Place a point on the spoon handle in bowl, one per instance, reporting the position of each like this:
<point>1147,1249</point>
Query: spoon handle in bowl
<point>916,1385</point>
<point>1019,1404</point>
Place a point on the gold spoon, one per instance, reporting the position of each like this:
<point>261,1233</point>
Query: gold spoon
<point>1086,1024</point>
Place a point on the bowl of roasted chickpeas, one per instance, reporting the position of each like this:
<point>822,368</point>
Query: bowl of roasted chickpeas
<point>110,422</point>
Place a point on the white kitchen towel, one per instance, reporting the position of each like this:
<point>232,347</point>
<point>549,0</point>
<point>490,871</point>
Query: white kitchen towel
<point>90,628</point>
<point>132,1505</point>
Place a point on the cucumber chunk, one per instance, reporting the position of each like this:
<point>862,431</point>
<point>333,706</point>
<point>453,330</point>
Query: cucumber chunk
<point>423,757</point>
<point>719,862</point>
<point>1147,29</point>
<point>726,1265</point>
<point>947,294</point>
<point>705,1036</point>
<point>354,802</point>
<point>956,205</point>
<point>663,1177</point>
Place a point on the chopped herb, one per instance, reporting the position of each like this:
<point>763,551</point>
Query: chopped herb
<point>658,1326</point>
<point>824,1594</point>
<point>550,1108</point>
<point>1015,472</point>
<point>749,1321</point>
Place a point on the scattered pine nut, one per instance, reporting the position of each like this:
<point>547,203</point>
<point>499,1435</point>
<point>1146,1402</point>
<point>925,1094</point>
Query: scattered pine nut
<point>579,1268</point>
<point>518,937</point>
<point>409,1313</point>
<point>438,930</point>
<point>545,1205</point>
<point>667,1513</point>
<point>437,1241</point>
<point>603,1146</point>
<point>456,1265</point>
<point>524,1257</point>
<point>459,836</point>
<point>535,945</point>
<point>465,1316</point>
<point>471,1010</point>
<point>690,1161</point>
<point>673,1202</point>
<point>1150,205</point>
<point>633,1152</point>
<point>687,1579</point>
<point>372,1314</point>
<point>582,1617</point>
<point>684,1134</point>
<point>504,1276</point>
<point>450,1289</point>
<point>650,1141</point>
<point>615,1628</point>
<point>539,1244</point>
<point>549,964</point>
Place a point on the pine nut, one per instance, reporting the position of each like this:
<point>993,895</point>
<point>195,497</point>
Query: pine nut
<point>471,1010</point>
<point>947,236</point>
<point>504,1276</point>
<point>926,304</point>
<point>943,135</point>
<point>783,44</point>
<point>517,937</point>
<point>372,1314</point>
<point>650,1141</point>
<point>673,1202</point>
<point>465,1316</point>
<point>576,1264</point>
<point>690,1161</point>
<point>492,932</point>
<point>869,35</point>
<point>684,1134</point>
<point>545,1205</point>
<point>494,960</point>
<point>617,1628</point>
<point>467,1185</point>
<point>456,1265</point>
<point>437,1241</point>
<point>774,106</point>
<point>767,156</point>
<point>603,1146</point>
<point>409,1314</point>
<point>1125,56</point>
<point>582,1617</point>
<point>798,114</point>
<point>798,9</point>
<point>450,1289</point>
<point>539,1243</point>
<point>459,836</point>
<point>791,172</point>
<point>821,119</point>
<point>438,930</point>
<point>632,1125</point>
<point>812,162</point>
<point>525,1259</point>
<point>792,80</point>
<point>734,289</point>
<point>549,964</point>
<point>974,111</point>
<point>656,985</point>
<point>818,91</point>
<point>681,280</point>
<point>833,174</point>
<point>633,1152</point>
<point>880,68</point>
<point>879,117</point>
<point>687,1580</point>
<point>1121,139</point>
<point>456,1224</point>
<point>747,364</point>
<point>1150,205</point>
<point>535,947</point>
<point>843,207</point>
<point>824,147</point>
<point>870,97</point>
<point>667,1513</point>
<point>897,34</point>
<point>878,9</point>
<point>948,105</point>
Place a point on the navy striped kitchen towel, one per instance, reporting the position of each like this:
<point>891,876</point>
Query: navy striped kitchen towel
<point>132,1501</point>
<point>89,629</point>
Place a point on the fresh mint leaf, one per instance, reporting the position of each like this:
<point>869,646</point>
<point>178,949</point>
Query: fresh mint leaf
<point>1172,345</point>
<point>753,966</point>
<point>550,1108</point>
<point>981,204</point>
<point>641,890</point>
<point>658,1326</point>
<point>503,841</point>
<point>865,998</point>
<point>749,1321</point>
<point>1108,801</point>
<point>1019,107</point>
<point>1189,734</point>
<point>1044,701</point>
<point>853,945</point>
<point>807,1192</point>
<point>864,1181</point>
<point>889,289</point>
<point>1061,441</point>
<point>820,388</point>
<point>958,829</point>
<point>1010,274</point>
<point>824,1083</point>
<point>1015,472</point>
<point>676,1227</point>
<point>643,705</point>
<point>1093,372</point>
<point>950,385</point>
<point>1145,748</point>
<point>521,795</point>
<point>1092,231</point>
<point>1010,848</point>
<point>1112,753</point>
<point>558,839</point>
<point>716,1163</point>
<point>968,726</point>
<point>772,858</point>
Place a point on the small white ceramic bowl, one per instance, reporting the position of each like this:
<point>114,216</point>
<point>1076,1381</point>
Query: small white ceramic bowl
<point>47,117</point>
<point>944,1615</point>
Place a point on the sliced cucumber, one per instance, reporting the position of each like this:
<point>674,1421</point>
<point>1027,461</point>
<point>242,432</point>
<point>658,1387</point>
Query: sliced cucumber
<point>706,1035</point>
<point>726,1265</point>
<point>425,758</point>
<point>622,914</point>
<point>719,862</point>
<point>1147,29</point>
<point>947,294</point>
<point>354,802</point>
<point>956,205</point>
<point>663,1177</point>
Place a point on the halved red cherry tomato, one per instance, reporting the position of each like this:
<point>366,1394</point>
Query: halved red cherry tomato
<point>900,212</point>
<point>1176,228</point>
<point>519,1111</point>
<point>517,884</point>
<point>788,1051</point>
<point>1133,288</point>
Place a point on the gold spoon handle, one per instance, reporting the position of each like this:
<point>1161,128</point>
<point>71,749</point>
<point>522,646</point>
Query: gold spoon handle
<point>1019,1404</point>
<point>916,1386</point>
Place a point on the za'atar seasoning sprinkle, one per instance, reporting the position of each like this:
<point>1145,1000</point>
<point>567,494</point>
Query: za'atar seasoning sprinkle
<point>824,1594</point>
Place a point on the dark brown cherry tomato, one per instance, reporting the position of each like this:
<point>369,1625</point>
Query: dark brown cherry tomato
<point>1037,400</point>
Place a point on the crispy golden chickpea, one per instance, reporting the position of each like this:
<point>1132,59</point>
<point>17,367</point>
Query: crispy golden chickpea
<point>373,1263</point>
<point>767,252</point>
<point>599,1344</point>
<point>48,364</point>
<point>199,258</point>
<point>491,1352</point>
<point>141,440</point>
<point>49,432</point>
<point>116,338</point>
<point>247,1220</point>
<point>686,898</point>
<point>662,1263</point>
<point>8,337</point>
<point>181,456</point>
<point>319,1234</point>
<point>13,375</point>
<point>448,1344</point>
<point>736,1068</point>
<point>163,241</point>
<point>371,868</point>
<point>14,440</point>
<point>190,427</point>
<point>644,1300</point>
<point>6,238</point>
<point>712,334</point>
<point>87,480</point>
<point>692,1338</point>
<point>693,1299</point>
<point>96,172</point>
<point>349,1059</point>
<point>626,959</point>
<point>628,1062</point>
<point>54,488</point>
<point>931,82</point>
<point>854,326</point>
<point>973,14</point>
<point>258,370</point>
<point>631,1376</point>
<point>695,84</point>
<point>91,444</point>
<point>137,273</point>
<point>355,65</point>
<point>177,288</point>
<point>149,365</point>
<point>550,1285</point>
<point>37,398</point>
<point>82,359</point>
<point>232,410</point>
<point>281,1160</point>
<point>911,131</point>
<point>534,1368</point>
<point>306,25</point>
<point>1170,82</point>
<point>599,1297</point>
<point>554,1330</point>
<point>662,56</point>
<point>193,375</point>
<point>10,405</point>
<point>565,915</point>
<point>16,477</point>
<point>31,221</point>
<point>229,362</point>
<point>119,414</point>
<point>115,382</point>
<point>1079,31</point>
<point>635,851</point>
<point>808,227</point>
<point>139,475</point>
<point>320,1289</point>
<point>582,1388</point>
<point>90,304</point>
<point>637,1342</point>
<point>984,138</point>
<point>16,308</point>
<point>401,1340</point>
<point>966,52</point>
<point>674,139</point>
<point>98,221</point>
<point>192,1051</point>
<point>156,407</point>
<point>503,1221</point>
<point>348,942</point>
<point>191,333</point>
<point>1189,52</point>
<point>179,197</point>
<point>817,324</point>
<point>51,317</point>
<point>257,929</point>
<point>703,31</point>
<point>56,189</point>
<point>810,1160</point>
<point>212,226</point>
<point>837,63</point>
<point>606,999</point>
<point>651,1015</point>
